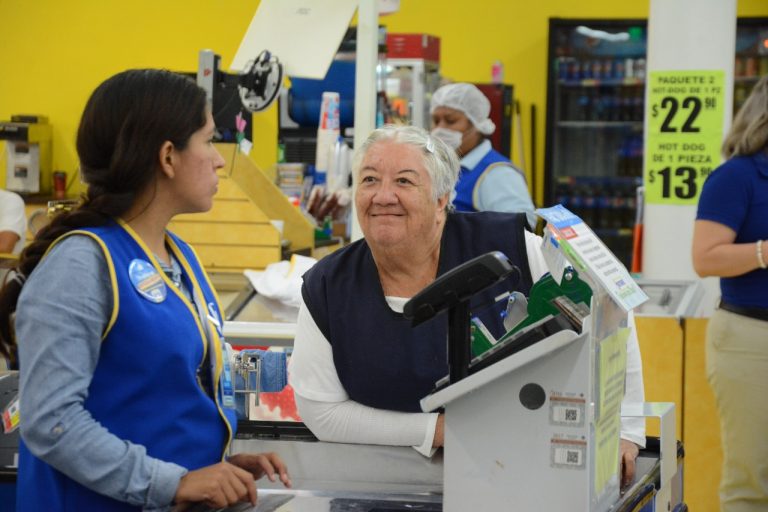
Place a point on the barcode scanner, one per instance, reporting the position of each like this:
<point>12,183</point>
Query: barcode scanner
<point>452,292</point>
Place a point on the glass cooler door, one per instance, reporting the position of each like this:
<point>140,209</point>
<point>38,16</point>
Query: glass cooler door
<point>595,124</point>
<point>595,108</point>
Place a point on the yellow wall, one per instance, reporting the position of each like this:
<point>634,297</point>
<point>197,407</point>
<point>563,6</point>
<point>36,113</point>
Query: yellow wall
<point>54,53</point>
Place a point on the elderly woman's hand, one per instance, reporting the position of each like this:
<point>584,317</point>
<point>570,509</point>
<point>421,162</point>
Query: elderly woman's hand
<point>439,431</point>
<point>628,451</point>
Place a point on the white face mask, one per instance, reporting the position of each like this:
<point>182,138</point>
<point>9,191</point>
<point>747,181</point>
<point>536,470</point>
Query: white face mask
<point>452,138</point>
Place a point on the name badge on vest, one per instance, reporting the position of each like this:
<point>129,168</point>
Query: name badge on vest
<point>147,280</point>
<point>227,387</point>
<point>213,316</point>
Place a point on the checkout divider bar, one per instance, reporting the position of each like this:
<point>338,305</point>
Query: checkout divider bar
<point>275,334</point>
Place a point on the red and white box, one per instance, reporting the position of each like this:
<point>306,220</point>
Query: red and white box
<point>413,46</point>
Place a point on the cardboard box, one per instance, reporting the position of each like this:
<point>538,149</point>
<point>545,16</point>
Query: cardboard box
<point>413,46</point>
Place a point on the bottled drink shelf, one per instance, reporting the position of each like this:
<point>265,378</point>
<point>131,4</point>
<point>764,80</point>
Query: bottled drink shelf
<point>599,124</point>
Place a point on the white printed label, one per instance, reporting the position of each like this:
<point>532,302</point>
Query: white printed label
<point>568,456</point>
<point>566,414</point>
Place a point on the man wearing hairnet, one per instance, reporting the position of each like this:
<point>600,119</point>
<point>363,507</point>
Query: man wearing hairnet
<point>488,180</point>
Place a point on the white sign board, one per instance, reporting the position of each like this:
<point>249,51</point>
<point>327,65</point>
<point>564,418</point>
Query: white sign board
<point>588,253</point>
<point>303,34</point>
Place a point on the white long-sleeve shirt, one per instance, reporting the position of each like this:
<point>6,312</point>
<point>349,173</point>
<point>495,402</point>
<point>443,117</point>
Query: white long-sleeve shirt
<point>13,217</point>
<point>327,410</point>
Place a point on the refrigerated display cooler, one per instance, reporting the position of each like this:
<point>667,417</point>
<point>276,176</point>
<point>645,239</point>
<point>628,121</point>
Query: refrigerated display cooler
<point>501,98</point>
<point>595,110</point>
<point>410,83</point>
<point>412,74</point>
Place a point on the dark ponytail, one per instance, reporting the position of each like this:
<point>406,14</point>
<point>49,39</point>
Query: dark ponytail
<point>125,123</point>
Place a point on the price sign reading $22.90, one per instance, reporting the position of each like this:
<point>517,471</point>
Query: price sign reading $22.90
<point>684,134</point>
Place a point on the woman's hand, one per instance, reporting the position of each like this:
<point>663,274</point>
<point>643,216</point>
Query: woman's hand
<point>218,486</point>
<point>628,451</point>
<point>260,464</point>
<point>439,431</point>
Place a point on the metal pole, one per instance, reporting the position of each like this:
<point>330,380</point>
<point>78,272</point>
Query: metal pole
<point>365,82</point>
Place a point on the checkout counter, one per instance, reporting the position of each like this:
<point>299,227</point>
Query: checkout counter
<point>337,477</point>
<point>332,477</point>
<point>341,477</point>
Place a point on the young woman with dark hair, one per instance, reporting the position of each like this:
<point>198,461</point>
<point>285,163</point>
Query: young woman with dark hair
<point>125,390</point>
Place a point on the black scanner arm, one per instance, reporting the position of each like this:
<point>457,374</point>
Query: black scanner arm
<point>452,292</point>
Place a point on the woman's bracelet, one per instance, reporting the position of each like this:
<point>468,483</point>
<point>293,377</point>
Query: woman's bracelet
<point>759,250</point>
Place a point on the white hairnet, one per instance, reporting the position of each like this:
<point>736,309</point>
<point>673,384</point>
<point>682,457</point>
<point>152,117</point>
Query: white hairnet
<point>469,100</point>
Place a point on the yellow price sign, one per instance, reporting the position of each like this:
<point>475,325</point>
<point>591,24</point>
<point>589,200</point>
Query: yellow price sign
<point>683,134</point>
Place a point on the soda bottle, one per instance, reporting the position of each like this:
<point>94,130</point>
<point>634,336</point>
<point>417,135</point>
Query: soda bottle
<point>638,100</point>
<point>586,70</point>
<point>597,69</point>
<point>608,69</point>
<point>599,208</point>
<point>588,208</point>
<point>583,113</point>
<point>611,103</point>
<point>623,159</point>
<point>630,196</point>
<point>561,195</point>
<point>750,67</point>
<point>636,156</point>
<point>575,203</point>
<point>618,69</point>
<point>629,68</point>
<point>738,67</point>
<point>574,70</point>
<point>594,108</point>
<point>626,105</point>
<point>640,69</point>
<point>606,206</point>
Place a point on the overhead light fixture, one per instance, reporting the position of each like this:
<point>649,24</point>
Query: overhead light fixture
<point>602,34</point>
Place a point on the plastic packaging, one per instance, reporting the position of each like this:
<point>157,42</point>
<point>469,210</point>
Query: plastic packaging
<point>339,166</point>
<point>497,72</point>
<point>327,129</point>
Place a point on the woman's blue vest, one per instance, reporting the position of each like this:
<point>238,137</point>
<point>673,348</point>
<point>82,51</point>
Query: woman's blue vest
<point>381,360</point>
<point>145,388</point>
<point>468,180</point>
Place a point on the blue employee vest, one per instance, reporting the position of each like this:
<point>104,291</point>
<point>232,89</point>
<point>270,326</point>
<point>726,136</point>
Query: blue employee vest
<point>469,179</point>
<point>381,360</point>
<point>145,387</point>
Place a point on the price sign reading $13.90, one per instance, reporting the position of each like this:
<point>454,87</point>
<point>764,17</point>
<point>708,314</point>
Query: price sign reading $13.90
<point>683,135</point>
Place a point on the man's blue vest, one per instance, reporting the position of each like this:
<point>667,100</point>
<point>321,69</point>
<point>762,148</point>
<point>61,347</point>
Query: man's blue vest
<point>469,178</point>
<point>145,387</point>
<point>381,360</point>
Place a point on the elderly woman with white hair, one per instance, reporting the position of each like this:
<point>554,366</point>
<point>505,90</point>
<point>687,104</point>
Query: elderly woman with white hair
<point>488,180</point>
<point>358,368</point>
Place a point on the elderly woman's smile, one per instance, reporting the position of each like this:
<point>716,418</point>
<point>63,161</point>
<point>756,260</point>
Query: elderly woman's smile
<point>394,197</point>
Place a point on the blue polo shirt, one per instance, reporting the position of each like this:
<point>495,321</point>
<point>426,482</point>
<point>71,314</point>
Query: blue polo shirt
<point>736,195</point>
